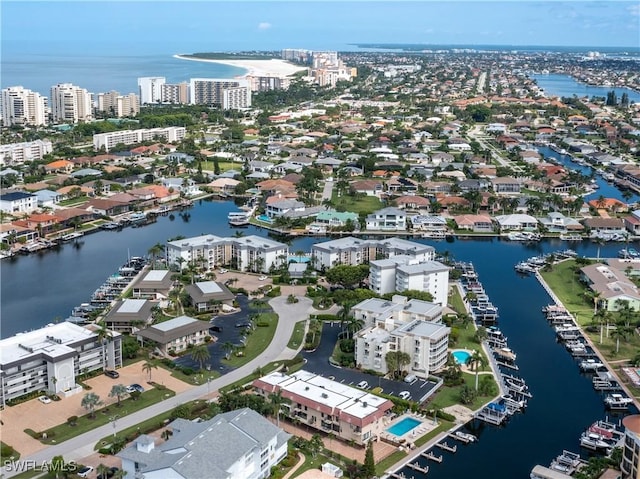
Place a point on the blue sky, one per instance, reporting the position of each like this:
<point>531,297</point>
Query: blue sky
<point>159,26</point>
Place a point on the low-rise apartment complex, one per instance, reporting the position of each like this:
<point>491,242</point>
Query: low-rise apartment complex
<point>247,253</point>
<point>50,358</point>
<point>349,413</point>
<point>107,141</point>
<point>401,325</point>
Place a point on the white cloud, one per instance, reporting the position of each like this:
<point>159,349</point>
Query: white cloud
<point>264,26</point>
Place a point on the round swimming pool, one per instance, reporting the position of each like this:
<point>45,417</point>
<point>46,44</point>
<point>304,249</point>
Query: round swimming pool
<point>461,356</point>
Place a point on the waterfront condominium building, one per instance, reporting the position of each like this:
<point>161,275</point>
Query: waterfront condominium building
<point>240,444</point>
<point>120,105</point>
<point>177,93</point>
<point>402,273</point>
<point>23,107</point>
<point>401,325</point>
<point>50,358</point>
<point>151,89</point>
<point>353,251</point>
<point>19,153</point>
<point>329,406</point>
<point>70,103</point>
<point>247,253</point>
<point>297,55</point>
<point>225,93</point>
<point>170,134</point>
<point>630,465</point>
<point>266,83</point>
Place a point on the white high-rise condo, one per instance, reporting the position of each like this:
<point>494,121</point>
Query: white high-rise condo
<point>225,93</point>
<point>70,103</point>
<point>119,105</point>
<point>21,106</point>
<point>151,89</point>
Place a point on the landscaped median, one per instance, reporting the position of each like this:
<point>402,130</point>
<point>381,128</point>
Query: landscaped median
<point>81,424</point>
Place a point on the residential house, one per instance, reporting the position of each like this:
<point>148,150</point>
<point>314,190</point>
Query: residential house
<point>336,219</point>
<point>277,206</point>
<point>18,202</point>
<point>632,223</point>
<point>612,285</point>
<point>59,166</point>
<point>388,219</point>
<point>176,335</point>
<point>154,284</point>
<point>332,407</point>
<point>413,202</point>
<point>239,444</point>
<point>44,223</point>
<point>605,225</point>
<point>209,296</point>
<point>185,186</point>
<point>516,221</point>
<point>47,198</point>
<point>223,186</point>
<point>556,222</point>
<point>505,185</point>
<point>368,187</point>
<point>475,223</point>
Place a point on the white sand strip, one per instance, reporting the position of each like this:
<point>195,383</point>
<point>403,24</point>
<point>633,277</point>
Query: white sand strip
<point>272,67</point>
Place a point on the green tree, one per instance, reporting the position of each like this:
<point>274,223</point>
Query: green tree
<point>396,361</point>
<point>369,468</point>
<point>277,400</point>
<point>155,251</point>
<point>117,391</point>
<point>90,401</point>
<point>58,468</point>
<point>475,362</point>
<point>228,348</point>
<point>200,354</point>
<point>347,275</point>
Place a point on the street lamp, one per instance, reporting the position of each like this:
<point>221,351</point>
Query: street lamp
<point>208,384</point>
<point>113,423</point>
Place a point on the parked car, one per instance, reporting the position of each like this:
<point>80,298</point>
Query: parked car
<point>44,399</point>
<point>135,387</point>
<point>216,329</point>
<point>84,471</point>
<point>363,384</point>
<point>223,271</point>
<point>262,278</point>
<point>111,373</point>
<point>410,379</point>
<point>404,395</point>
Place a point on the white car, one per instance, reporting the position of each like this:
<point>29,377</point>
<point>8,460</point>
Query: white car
<point>262,278</point>
<point>223,271</point>
<point>363,384</point>
<point>85,471</point>
<point>404,395</point>
<point>44,399</point>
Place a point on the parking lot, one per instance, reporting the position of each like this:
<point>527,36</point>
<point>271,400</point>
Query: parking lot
<point>318,363</point>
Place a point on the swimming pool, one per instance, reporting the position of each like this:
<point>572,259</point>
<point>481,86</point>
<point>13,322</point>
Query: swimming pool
<point>461,357</point>
<point>404,426</point>
<point>264,218</point>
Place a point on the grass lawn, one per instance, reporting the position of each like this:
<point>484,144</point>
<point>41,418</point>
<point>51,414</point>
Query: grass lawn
<point>257,341</point>
<point>158,421</point>
<point>31,473</point>
<point>366,204</point>
<point>64,431</point>
<point>448,396</point>
<point>297,336</point>
<point>455,301</point>
<point>223,165</point>
<point>8,452</point>
<point>564,283</point>
<point>74,201</point>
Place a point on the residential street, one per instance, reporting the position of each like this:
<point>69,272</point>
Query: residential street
<point>82,446</point>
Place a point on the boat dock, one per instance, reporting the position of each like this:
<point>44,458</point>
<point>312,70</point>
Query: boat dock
<point>431,456</point>
<point>417,467</point>
<point>447,447</point>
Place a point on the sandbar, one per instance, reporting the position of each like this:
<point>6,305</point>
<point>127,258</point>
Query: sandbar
<point>272,67</point>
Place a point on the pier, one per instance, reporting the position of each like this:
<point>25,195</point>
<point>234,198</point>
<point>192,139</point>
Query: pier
<point>431,456</point>
<point>447,447</point>
<point>417,467</point>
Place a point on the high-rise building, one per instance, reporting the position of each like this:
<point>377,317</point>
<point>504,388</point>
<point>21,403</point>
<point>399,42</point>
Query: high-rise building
<point>266,83</point>
<point>177,93</point>
<point>21,106</point>
<point>151,89</point>
<point>19,153</point>
<point>630,465</point>
<point>70,103</point>
<point>119,105</point>
<point>296,55</point>
<point>225,93</point>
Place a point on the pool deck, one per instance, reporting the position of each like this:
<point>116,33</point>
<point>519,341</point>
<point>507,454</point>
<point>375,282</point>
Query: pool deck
<point>426,425</point>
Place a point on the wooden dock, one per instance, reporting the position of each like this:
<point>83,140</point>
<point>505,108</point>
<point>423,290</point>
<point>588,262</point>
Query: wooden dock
<point>507,365</point>
<point>431,456</point>
<point>447,447</point>
<point>417,467</point>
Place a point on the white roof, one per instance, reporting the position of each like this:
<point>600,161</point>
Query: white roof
<point>209,287</point>
<point>156,275</point>
<point>131,305</point>
<point>174,323</point>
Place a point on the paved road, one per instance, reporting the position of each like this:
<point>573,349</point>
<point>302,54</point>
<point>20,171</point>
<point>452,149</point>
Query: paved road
<point>82,446</point>
<point>327,190</point>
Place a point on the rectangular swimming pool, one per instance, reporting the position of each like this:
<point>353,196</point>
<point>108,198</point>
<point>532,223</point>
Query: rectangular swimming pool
<point>404,426</point>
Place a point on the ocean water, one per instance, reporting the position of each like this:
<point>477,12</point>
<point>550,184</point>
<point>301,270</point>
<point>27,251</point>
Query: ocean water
<point>566,86</point>
<point>102,73</point>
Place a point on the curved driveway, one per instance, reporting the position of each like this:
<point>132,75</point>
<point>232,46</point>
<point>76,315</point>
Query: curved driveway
<point>82,446</point>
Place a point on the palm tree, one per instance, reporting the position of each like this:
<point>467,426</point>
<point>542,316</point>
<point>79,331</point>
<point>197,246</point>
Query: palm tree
<point>276,401</point>
<point>102,471</point>
<point>155,251</point>
<point>90,401</point>
<point>228,348</point>
<point>148,366</point>
<point>103,334</point>
<point>354,324</point>
<point>593,296</point>
<point>475,362</point>
<point>118,390</point>
<point>200,354</point>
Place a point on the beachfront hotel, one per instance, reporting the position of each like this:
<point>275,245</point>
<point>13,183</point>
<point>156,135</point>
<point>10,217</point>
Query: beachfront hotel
<point>329,406</point>
<point>247,253</point>
<point>21,106</point>
<point>353,251</point>
<point>50,358</point>
<point>410,326</point>
<point>70,103</point>
<point>170,134</point>
<point>225,93</point>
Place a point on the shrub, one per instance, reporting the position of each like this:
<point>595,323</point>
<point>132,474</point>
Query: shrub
<point>262,324</point>
<point>187,371</point>
<point>275,292</point>
<point>72,420</point>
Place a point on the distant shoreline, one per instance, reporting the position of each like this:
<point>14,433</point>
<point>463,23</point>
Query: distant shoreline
<point>273,67</point>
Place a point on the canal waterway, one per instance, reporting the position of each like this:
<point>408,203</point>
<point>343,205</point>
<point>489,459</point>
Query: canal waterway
<point>566,86</point>
<point>38,288</point>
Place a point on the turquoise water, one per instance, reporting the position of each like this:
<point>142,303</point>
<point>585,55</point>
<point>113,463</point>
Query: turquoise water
<point>404,426</point>
<point>461,356</point>
<point>264,218</point>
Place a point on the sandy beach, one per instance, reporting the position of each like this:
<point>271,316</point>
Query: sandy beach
<point>255,67</point>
